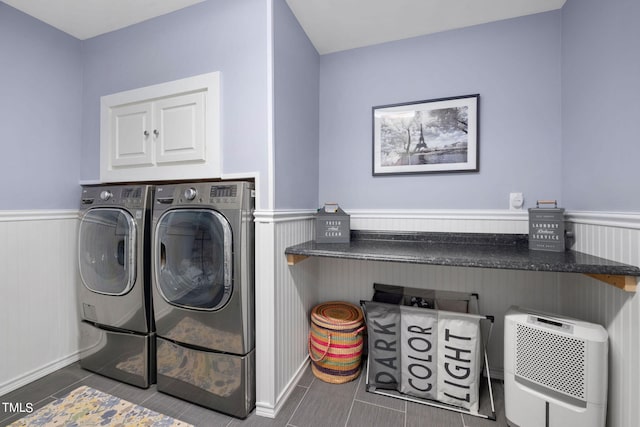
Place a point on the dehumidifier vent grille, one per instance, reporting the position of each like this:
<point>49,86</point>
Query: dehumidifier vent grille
<point>551,360</point>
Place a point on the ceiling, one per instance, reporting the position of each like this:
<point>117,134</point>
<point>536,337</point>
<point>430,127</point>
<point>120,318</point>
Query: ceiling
<point>84,19</point>
<point>332,25</point>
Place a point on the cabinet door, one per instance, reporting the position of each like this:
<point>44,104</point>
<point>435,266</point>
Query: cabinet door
<point>179,129</point>
<point>131,139</point>
<point>162,132</point>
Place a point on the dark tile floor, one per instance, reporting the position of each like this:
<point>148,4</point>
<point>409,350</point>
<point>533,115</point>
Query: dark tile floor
<point>312,403</point>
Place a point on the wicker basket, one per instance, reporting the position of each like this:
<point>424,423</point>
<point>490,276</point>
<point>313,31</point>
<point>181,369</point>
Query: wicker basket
<point>335,341</point>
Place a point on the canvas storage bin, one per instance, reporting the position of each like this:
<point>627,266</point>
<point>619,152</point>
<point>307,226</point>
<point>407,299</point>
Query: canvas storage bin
<point>422,351</point>
<point>336,341</point>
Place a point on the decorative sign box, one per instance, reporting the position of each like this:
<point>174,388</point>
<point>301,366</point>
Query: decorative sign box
<point>332,225</point>
<point>546,227</point>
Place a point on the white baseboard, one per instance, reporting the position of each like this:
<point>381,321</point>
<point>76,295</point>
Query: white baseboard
<point>38,373</point>
<point>268,411</point>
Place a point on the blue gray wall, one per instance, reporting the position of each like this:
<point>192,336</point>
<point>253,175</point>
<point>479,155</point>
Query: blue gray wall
<point>40,114</point>
<point>558,96</point>
<point>296,113</point>
<point>229,36</point>
<point>601,108</point>
<point>515,67</point>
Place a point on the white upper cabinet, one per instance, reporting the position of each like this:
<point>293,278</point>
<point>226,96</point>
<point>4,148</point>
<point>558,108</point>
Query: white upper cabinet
<point>129,131</point>
<point>179,128</point>
<point>162,132</point>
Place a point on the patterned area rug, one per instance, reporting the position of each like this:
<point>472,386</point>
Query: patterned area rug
<point>85,406</point>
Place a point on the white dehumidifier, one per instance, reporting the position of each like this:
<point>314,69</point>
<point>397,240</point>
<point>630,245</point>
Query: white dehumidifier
<point>555,370</point>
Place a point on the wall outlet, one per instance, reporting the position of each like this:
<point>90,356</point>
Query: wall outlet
<point>516,201</point>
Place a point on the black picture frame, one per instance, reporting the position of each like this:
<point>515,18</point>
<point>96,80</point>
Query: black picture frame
<point>433,136</point>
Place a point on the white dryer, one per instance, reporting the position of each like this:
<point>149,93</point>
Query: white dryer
<point>117,336</point>
<point>203,296</point>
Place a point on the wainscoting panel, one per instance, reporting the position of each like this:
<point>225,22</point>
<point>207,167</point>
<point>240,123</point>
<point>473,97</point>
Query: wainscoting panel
<point>452,221</point>
<point>296,293</point>
<point>616,237</point>
<point>264,314</point>
<point>284,298</point>
<point>38,314</point>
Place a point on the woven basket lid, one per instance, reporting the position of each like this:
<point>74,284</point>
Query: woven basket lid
<point>337,313</point>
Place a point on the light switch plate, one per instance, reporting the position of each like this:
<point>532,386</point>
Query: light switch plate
<point>516,201</point>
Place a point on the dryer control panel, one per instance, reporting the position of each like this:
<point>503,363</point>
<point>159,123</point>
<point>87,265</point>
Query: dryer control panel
<point>225,195</point>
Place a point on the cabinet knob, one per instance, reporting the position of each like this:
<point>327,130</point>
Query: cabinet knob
<point>146,133</point>
<point>156,132</point>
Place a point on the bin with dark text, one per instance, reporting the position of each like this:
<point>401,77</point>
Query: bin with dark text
<point>427,346</point>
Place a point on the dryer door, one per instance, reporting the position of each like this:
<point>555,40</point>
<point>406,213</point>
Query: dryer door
<point>106,251</point>
<point>194,259</point>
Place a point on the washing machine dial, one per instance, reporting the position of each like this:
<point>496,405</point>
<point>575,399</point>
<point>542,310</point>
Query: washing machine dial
<point>106,195</point>
<point>190,193</point>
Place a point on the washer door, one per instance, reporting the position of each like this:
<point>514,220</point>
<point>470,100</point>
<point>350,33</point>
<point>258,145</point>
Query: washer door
<point>106,251</point>
<point>193,259</point>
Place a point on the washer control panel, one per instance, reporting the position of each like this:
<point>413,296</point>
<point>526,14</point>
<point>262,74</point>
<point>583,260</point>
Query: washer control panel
<point>132,196</point>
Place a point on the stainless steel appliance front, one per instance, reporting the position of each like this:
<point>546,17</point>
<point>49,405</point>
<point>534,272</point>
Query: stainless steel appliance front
<point>203,293</point>
<point>117,333</point>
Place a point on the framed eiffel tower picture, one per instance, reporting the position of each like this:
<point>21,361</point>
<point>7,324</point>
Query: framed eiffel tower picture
<point>433,136</point>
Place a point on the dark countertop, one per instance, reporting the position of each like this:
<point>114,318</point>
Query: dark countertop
<point>501,251</point>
